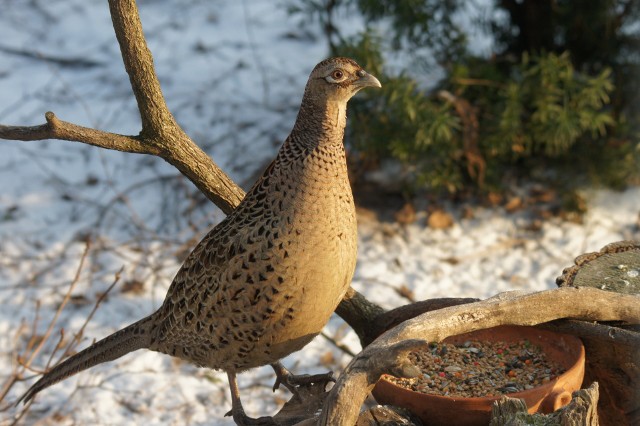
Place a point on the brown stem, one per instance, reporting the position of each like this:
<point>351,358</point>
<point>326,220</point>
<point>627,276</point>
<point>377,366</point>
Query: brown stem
<point>55,128</point>
<point>138,62</point>
<point>360,314</point>
<point>158,124</point>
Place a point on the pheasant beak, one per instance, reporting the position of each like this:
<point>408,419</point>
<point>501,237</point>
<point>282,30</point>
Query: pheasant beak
<point>366,80</point>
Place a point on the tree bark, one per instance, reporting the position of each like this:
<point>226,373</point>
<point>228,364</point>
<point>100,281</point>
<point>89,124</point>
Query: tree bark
<point>581,411</point>
<point>613,363</point>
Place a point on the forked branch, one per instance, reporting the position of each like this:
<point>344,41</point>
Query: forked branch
<point>138,62</point>
<point>160,134</point>
<point>55,128</point>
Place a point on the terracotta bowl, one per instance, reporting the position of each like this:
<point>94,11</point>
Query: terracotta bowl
<point>433,410</point>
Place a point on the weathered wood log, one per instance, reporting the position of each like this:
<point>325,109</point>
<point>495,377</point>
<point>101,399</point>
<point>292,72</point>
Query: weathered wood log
<point>303,407</point>
<point>386,415</point>
<point>581,411</point>
<point>616,367</point>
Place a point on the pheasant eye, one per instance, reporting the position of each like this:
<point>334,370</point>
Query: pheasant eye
<point>336,76</point>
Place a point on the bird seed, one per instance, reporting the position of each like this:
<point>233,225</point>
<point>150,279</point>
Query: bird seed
<point>479,369</point>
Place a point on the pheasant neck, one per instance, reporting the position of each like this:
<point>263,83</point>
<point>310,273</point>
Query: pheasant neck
<point>320,125</point>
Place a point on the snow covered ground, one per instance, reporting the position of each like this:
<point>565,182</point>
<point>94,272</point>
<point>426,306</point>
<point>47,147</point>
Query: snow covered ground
<point>233,74</point>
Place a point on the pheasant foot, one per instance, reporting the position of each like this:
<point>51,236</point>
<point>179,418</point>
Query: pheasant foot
<point>291,381</point>
<point>237,412</point>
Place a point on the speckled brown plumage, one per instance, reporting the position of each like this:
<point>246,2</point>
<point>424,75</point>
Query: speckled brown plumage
<point>264,282</point>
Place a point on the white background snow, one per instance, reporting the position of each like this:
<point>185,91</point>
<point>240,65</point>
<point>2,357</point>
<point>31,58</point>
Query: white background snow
<point>232,74</point>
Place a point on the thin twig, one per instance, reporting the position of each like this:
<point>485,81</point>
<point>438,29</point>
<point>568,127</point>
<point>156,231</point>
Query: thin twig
<point>476,82</point>
<point>344,348</point>
<point>78,335</point>
<point>53,352</point>
<point>54,128</point>
<point>23,366</point>
<point>66,299</point>
<point>254,53</point>
<point>77,62</point>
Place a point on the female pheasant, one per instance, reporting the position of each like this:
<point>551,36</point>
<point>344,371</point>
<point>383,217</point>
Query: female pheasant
<point>262,283</point>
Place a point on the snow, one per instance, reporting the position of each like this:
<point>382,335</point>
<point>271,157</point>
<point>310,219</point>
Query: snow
<point>232,73</point>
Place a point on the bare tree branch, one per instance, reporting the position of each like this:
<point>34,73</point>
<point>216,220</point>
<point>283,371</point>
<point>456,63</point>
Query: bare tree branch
<point>360,314</point>
<point>160,134</point>
<point>138,62</point>
<point>58,129</point>
<point>71,62</point>
<point>345,399</point>
<point>158,124</point>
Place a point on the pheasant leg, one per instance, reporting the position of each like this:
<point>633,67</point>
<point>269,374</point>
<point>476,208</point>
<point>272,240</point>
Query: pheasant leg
<point>239,416</point>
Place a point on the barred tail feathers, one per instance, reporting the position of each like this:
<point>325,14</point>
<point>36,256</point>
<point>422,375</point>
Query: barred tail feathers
<point>131,338</point>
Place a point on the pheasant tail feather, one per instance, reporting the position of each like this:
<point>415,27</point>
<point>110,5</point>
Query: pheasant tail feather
<point>134,337</point>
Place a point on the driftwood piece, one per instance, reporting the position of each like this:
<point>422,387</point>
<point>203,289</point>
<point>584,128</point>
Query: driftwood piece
<point>386,415</point>
<point>581,411</point>
<point>388,320</point>
<point>616,267</point>
<point>304,406</point>
<point>615,366</point>
<point>517,308</point>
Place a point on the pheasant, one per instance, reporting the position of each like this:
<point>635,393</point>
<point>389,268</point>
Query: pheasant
<point>264,281</point>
